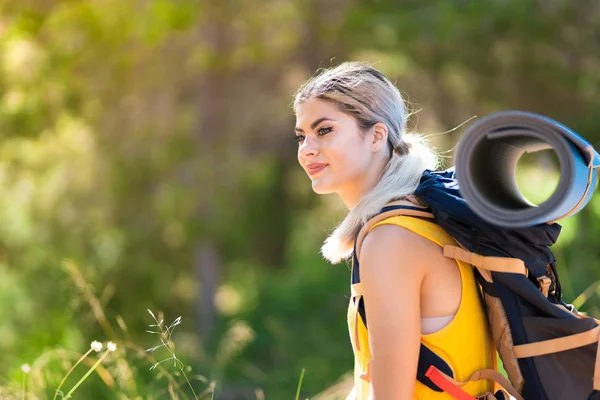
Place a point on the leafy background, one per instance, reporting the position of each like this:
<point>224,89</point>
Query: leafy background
<point>147,162</point>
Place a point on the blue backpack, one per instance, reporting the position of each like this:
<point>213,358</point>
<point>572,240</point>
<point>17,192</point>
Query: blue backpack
<point>548,349</point>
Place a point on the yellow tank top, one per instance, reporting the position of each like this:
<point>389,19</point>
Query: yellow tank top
<point>465,343</point>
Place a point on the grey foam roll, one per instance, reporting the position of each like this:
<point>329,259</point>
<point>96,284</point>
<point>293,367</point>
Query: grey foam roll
<point>486,162</point>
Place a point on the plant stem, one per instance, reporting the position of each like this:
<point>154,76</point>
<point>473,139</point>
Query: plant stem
<point>69,373</point>
<point>188,382</point>
<point>300,384</point>
<point>87,374</point>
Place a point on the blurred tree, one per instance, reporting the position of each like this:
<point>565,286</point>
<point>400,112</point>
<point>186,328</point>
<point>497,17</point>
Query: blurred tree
<point>143,141</point>
<point>146,142</point>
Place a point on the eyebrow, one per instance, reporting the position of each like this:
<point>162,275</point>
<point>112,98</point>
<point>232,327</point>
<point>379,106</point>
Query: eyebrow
<point>314,124</point>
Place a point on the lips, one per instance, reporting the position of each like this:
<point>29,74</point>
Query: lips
<point>315,168</point>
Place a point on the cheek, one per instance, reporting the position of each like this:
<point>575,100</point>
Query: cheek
<point>351,160</point>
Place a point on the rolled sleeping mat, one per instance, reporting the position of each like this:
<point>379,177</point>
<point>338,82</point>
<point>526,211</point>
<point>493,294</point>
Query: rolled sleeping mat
<point>486,163</point>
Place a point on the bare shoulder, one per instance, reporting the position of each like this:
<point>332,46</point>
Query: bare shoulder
<point>389,244</point>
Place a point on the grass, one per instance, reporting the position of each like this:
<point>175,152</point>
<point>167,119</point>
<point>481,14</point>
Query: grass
<point>36,380</point>
<point>300,384</point>
<point>165,339</point>
<point>37,377</point>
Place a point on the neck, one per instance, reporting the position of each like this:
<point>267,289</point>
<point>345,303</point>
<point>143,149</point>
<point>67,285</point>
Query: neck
<point>354,193</point>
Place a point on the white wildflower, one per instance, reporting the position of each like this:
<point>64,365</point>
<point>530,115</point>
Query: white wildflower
<point>96,346</point>
<point>25,368</point>
<point>111,346</point>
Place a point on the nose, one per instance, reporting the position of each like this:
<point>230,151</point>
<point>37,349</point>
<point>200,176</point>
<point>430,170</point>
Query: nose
<point>308,148</point>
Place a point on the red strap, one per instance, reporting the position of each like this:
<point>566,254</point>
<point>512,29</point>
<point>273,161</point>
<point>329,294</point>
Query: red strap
<point>443,383</point>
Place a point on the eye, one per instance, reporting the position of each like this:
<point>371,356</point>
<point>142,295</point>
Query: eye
<point>299,138</point>
<point>325,130</point>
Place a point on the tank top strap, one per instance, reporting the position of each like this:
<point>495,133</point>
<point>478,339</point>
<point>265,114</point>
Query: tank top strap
<point>421,227</point>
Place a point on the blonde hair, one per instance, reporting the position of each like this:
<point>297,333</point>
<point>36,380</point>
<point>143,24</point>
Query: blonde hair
<point>366,94</point>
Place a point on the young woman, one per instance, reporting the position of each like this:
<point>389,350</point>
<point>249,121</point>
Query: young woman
<point>351,132</point>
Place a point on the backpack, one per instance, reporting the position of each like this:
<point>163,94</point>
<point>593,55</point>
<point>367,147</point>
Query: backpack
<point>548,349</point>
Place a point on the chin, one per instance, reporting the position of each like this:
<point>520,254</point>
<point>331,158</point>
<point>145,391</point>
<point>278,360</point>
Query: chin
<point>319,188</point>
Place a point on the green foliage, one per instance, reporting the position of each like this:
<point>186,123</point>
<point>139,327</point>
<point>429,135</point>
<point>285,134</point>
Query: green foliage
<point>149,145</point>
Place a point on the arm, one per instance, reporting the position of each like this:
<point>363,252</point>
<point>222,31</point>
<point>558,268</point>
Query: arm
<point>392,272</point>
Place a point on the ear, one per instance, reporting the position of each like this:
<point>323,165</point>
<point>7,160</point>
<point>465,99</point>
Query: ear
<point>380,136</point>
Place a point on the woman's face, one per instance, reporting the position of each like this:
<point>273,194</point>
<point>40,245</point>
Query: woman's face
<point>332,149</point>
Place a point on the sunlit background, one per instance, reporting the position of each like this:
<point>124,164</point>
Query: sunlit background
<point>147,161</point>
